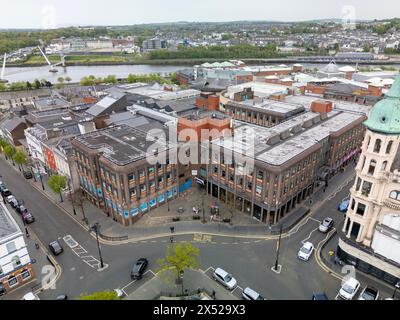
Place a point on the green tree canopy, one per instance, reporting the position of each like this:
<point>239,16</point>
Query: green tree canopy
<point>101,295</point>
<point>110,79</point>
<point>9,150</point>
<point>57,183</point>
<point>180,258</point>
<point>20,158</point>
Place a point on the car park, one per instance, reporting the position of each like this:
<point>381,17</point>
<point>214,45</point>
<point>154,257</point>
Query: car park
<point>369,293</point>
<point>344,204</point>
<point>56,248</point>
<point>28,217</point>
<point>349,289</point>
<point>326,225</point>
<point>250,294</point>
<point>138,269</point>
<point>226,279</point>
<point>27,175</point>
<point>306,251</point>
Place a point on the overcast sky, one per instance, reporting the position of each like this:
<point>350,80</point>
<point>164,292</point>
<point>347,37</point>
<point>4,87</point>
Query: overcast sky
<point>60,13</point>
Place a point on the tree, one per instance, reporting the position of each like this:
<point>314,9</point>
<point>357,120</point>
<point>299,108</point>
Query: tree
<point>110,79</point>
<point>101,295</point>
<point>9,151</point>
<point>57,183</point>
<point>20,159</point>
<point>37,84</point>
<point>182,257</point>
<point>68,79</point>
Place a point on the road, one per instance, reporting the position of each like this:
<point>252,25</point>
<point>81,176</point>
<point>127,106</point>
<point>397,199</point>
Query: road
<point>250,261</point>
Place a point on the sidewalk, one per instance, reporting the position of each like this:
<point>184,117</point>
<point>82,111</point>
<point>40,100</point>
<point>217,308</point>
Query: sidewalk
<point>159,221</point>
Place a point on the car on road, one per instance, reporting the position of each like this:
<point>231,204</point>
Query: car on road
<point>27,175</point>
<point>226,279</point>
<point>349,289</point>
<point>344,205</point>
<point>250,294</point>
<point>369,293</point>
<point>138,269</point>
<point>326,225</point>
<point>6,193</point>
<point>56,248</point>
<point>2,290</point>
<point>28,217</point>
<point>306,251</point>
<point>62,297</point>
<point>320,296</point>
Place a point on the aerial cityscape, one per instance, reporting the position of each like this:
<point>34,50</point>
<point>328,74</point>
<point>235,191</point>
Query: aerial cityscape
<point>226,153</point>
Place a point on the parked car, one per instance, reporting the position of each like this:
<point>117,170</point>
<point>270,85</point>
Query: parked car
<point>344,205</point>
<point>306,251</point>
<point>56,248</point>
<point>326,225</point>
<point>30,296</point>
<point>138,269</point>
<point>62,297</point>
<point>12,201</point>
<point>28,175</point>
<point>320,296</point>
<point>349,289</point>
<point>250,294</point>
<point>28,217</point>
<point>2,290</point>
<point>369,293</point>
<point>21,209</point>
<point>226,279</point>
<point>6,193</point>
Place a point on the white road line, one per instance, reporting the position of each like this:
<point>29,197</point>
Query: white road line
<point>208,269</point>
<point>123,292</point>
<point>326,238</point>
<point>309,236</point>
<point>316,220</point>
<point>132,282</point>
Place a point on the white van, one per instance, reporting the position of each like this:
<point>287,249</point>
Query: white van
<point>250,294</point>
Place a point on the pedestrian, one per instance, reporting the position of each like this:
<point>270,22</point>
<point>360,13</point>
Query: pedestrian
<point>171,239</point>
<point>213,294</point>
<point>324,190</point>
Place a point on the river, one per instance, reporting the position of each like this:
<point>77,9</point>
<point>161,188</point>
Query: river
<point>76,73</point>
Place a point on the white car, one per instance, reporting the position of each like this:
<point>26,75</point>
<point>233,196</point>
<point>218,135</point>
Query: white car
<point>306,251</point>
<point>349,289</point>
<point>326,225</point>
<point>30,296</point>
<point>225,278</point>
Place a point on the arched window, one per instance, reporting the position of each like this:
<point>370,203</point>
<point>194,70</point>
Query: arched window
<point>384,165</point>
<point>378,145</point>
<point>395,195</point>
<point>372,166</point>
<point>389,147</point>
<point>16,261</point>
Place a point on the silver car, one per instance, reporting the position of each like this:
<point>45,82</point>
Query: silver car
<point>326,225</point>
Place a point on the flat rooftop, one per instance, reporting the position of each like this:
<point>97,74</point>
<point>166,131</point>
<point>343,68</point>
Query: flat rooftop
<point>279,144</point>
<point>284,109</point>
<point>261,89</point>
<point>122,144</point>
<point>8,226</point>
<point>306,100</point>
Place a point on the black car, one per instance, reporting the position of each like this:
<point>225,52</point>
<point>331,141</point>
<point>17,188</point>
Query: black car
<point>2,290</point>
<point>6,193</point>
<point>28,175</point>
<point>56,248</point>
<point>138,269</point>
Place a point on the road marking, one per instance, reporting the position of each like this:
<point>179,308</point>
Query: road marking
<point>202,238</point>
<point>326,238</point>
<point>209,268</point>
<point>309,236</point>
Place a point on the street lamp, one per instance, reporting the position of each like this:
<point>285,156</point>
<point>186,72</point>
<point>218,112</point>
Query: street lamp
<point>40,176</point>
<point>396,286</point>
<point>70,195</point>
<point>278,246</point>
<point>181,277</point>
<point>96,228</point>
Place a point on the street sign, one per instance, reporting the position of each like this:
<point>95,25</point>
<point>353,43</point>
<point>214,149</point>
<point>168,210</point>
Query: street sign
<point>194,172</point>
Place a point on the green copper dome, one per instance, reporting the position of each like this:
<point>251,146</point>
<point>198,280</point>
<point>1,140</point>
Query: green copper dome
<point>385,115</point>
